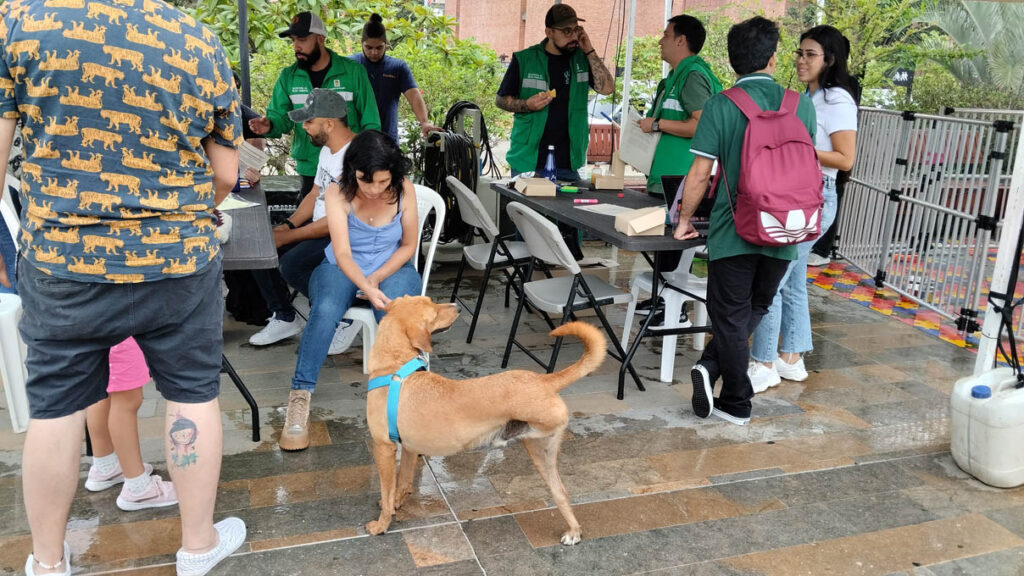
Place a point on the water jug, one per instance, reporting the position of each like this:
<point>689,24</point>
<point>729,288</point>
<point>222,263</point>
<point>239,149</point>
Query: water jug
<point>987,427</point>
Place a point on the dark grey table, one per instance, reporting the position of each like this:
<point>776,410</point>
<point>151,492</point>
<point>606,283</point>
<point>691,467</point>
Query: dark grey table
<point>561,208</point>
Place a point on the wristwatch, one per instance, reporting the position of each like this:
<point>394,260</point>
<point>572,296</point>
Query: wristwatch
<point>654,126</point>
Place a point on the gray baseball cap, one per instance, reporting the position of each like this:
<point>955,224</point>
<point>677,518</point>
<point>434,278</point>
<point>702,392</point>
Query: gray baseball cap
<point>321,104</point>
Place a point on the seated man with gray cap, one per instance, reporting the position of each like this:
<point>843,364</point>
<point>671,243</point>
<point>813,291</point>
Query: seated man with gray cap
<point>301,239</point>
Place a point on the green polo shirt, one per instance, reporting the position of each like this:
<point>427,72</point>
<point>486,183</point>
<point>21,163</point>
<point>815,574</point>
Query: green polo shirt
<point>720,136</point>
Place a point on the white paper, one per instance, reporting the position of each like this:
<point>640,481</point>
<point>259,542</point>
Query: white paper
<point>604,209</point>
<point>234,202</point>
<point>636,147</point>
<point>250,156</point>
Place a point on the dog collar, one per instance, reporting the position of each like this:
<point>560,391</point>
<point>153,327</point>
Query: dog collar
<point>394,384</point>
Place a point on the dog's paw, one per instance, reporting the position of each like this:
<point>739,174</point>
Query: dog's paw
<point>571,538</point>
<point>377,527</point>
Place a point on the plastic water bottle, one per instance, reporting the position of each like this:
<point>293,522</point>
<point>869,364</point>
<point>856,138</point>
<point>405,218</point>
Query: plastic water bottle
<point>550,172</point>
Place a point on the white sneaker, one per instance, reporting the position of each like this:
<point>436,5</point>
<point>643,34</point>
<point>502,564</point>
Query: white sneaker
<point>817,260</point>
<point>97,481</point>
<point>232,534</point>
<point>344,336</point>
<point>762,377</point>
<point>794,372</point>
<point>729,417</point>
<point>275,331</point>
<point>30,563</point>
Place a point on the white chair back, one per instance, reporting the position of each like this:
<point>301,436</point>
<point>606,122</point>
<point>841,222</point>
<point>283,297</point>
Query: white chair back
<point>9,215</point>
<point>427,200</point>
<point>471,209</point>
<point>542,237</point>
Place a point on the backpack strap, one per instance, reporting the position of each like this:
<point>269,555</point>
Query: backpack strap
<point>790,101</point>
<point>743,101</point>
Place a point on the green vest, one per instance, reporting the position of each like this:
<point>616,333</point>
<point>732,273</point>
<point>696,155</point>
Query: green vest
<point>528,127</point>
<point>672,156</point>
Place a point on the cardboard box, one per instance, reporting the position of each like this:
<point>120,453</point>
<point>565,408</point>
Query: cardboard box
<point>607,182</point>
<point>535,186</point>
<point>642,222</point>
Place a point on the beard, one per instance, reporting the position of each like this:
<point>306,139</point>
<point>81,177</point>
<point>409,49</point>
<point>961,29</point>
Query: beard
<point>568,48</point>
<point>318,139</point>
<point>307,60</point>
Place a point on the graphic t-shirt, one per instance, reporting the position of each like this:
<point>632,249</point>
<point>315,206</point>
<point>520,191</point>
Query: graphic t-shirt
<point>329,167</point>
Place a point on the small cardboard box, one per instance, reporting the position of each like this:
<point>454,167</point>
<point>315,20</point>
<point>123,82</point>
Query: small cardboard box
<point>642,222</point>
<point>607,182</point>
<point>536,186</point>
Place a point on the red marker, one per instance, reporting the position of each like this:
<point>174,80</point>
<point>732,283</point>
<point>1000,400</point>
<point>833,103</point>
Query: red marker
<point>621,195</point>
<point>584,200</point>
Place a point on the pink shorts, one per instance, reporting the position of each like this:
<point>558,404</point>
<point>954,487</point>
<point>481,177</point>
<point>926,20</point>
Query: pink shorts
<point>128,369</point>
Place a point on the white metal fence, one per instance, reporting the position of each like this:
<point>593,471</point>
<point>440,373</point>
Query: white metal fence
<point>922,207</point>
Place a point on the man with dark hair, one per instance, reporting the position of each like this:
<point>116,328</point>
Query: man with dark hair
<point>315,67</point>
<point>301,238</point>
<point>742,277</point>
<point>546,86</point>
<point>101,262</point>
<point>679,99</point>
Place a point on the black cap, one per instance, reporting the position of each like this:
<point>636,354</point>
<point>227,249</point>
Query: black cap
<point>321,104</point>
<point>561,16</point>
<point>304,24</point>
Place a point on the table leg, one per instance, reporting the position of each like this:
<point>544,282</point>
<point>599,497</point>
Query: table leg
<point>227,368</point>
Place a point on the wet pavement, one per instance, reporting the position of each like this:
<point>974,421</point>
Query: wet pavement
<point>848,472</point>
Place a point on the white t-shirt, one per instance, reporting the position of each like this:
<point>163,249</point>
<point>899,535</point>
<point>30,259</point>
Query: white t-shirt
<point>836,112</point>
<point>327,167</point>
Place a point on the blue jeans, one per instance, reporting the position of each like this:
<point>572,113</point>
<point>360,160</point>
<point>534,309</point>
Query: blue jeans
<point>10,255</point>
<point>789,315</point>
<point>331,294</point>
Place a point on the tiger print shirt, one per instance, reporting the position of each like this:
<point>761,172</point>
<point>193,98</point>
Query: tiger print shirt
<point>116,97</point>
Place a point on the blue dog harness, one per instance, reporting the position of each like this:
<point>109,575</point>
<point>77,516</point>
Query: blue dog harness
<point>394,384</point>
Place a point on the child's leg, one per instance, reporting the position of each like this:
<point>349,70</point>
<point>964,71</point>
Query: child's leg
<point>124,430</point>
<point>99,432</point>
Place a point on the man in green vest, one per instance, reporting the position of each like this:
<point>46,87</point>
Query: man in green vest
<point>315,67</point>
<point>546,86</point>
<point>679,99</point>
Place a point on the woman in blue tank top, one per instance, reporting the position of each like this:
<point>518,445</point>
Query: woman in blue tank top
<point>371,213</point>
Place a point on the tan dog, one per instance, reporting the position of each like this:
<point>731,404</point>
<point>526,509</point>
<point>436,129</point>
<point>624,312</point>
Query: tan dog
<point>439,417</point>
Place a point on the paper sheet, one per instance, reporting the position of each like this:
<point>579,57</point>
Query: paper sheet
<point>250,156</point>
<point>604,209</point>
<point>234,202</point>
<point>636,147</point>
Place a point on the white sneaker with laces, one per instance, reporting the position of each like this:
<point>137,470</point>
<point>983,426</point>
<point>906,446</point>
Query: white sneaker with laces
<point>762,377</point>
<point>276,330</point>
<point>817,260</point>
<point>794,372</point>
<point>232,534</point>
<point>344,336</point>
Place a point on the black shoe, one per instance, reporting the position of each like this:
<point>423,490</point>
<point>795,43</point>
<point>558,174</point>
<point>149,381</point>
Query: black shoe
<point>702,400</point>
<point>643,308</point>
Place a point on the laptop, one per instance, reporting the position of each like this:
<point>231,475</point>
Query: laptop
<point>673,190</point>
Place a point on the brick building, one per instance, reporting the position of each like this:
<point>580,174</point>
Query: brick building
<point>511,25</point>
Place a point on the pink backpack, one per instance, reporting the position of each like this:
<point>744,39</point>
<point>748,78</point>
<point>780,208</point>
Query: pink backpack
<point>778,196</point>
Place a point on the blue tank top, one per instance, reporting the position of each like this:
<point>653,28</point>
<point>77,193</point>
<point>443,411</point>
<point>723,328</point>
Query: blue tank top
<point>371,247</point>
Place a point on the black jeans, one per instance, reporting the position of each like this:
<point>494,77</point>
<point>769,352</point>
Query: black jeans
<point>740,290</point>
<point>296,263</point>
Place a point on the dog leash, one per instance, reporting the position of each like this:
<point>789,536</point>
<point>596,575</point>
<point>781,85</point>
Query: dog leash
<point>394,384</point>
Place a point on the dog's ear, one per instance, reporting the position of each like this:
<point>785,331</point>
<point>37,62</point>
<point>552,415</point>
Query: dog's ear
<point>419,336</point>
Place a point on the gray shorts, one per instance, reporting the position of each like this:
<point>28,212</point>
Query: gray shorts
<point>70,326</point>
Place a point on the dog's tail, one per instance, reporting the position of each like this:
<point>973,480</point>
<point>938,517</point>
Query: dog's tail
<point>595,348</point>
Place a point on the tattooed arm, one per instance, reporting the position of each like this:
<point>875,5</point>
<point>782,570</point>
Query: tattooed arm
<point>518,105</point>
<point>604,82</point>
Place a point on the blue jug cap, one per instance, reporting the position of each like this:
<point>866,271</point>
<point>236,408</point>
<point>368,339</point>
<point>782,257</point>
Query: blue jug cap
<point>981,391</point>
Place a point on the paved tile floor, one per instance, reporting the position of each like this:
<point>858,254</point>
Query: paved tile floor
<point>846,473</point>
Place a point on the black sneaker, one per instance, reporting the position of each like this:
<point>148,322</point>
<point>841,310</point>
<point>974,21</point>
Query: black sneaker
<point>702,400</point>
<point>643,308</point>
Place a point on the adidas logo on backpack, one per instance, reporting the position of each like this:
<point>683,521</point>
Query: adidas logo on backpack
<point>778,196</point>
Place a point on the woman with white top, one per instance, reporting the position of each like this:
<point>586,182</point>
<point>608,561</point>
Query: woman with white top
<point>821,64</point>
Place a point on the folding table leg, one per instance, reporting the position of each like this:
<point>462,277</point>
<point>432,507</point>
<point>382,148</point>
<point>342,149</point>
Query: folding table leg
<point>227,368</point>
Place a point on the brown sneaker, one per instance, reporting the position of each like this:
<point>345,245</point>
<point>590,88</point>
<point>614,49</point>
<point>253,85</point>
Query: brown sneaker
<point>295,435</point>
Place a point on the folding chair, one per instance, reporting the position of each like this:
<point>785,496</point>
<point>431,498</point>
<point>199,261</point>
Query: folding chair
<point>500,252</point>
<point>679,287</point>
<point>426,200</point>
<point>561,294</point>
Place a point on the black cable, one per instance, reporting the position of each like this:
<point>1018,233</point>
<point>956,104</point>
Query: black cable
<point>1006,314</point>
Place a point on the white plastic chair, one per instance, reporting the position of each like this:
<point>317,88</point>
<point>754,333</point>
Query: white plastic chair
<point>426,200</point>
<point>562,294</point>
<point>677,281</point>
<point>12,350</point>
<point>495,251</point>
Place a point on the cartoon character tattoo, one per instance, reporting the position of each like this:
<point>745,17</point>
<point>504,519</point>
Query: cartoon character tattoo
<point>183,435</point>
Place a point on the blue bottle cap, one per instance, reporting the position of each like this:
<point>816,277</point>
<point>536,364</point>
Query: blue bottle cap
<point>981,391</point>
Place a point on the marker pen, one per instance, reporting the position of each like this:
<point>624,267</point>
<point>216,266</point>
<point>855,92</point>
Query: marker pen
<point>584,200</point>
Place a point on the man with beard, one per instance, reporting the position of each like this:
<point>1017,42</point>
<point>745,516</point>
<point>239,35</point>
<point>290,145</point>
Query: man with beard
<point>315,67</point>
<point>301,239</point>
<point>546,86</point>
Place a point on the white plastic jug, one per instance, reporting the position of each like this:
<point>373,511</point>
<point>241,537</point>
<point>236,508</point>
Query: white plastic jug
<point>988,427</point>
